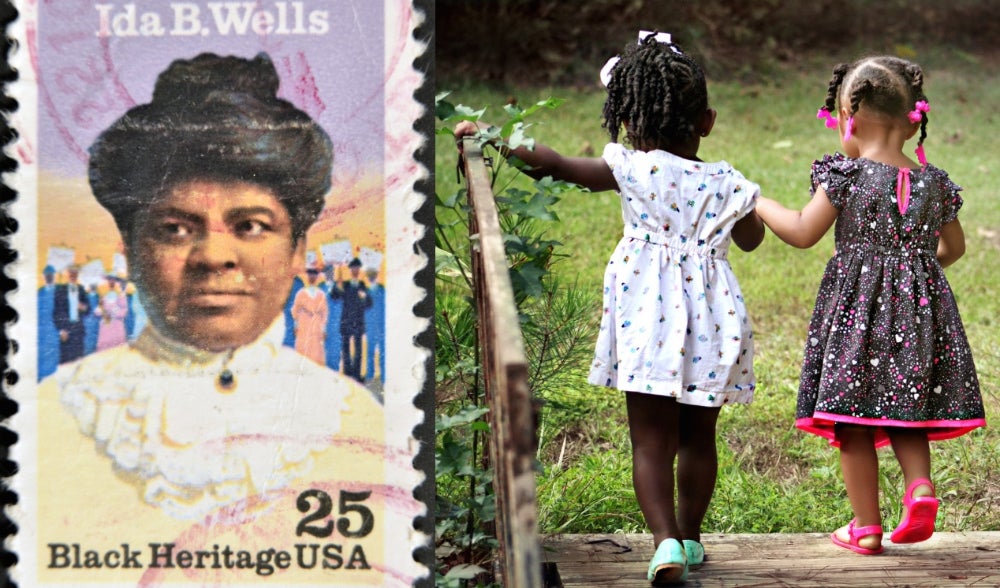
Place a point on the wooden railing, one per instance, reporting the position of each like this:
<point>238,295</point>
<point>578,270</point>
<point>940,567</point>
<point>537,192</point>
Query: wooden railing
<point>513,440</point>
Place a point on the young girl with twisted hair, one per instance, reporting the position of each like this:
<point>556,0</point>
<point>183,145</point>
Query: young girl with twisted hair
<point>674,334</point>
<point>886,360</point>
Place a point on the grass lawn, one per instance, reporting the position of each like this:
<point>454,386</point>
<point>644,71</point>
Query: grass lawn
<point>772,478</point>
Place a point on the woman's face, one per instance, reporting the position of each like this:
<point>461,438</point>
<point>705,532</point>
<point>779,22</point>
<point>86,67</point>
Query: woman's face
<point>214,261</point>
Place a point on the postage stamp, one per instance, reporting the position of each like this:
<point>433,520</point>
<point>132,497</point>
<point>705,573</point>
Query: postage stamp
<point>216,228</point>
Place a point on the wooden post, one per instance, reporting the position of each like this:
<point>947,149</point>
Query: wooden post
<point>513,440</point>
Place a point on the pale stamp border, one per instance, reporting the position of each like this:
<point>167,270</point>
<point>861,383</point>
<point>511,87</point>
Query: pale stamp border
<point>408,397</point>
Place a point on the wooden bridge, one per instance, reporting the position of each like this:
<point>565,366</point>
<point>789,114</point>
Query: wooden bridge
<point>612,561</point>
<point>793,560</point>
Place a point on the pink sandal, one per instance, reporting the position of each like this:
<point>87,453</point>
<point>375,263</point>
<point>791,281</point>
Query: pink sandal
<point>919,516</point>
<point>856,534</point>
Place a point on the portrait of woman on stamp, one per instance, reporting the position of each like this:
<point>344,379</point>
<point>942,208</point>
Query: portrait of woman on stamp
<point>207,425</point>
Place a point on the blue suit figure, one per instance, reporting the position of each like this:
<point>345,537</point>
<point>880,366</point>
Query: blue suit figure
<point>354,295</point>
<point>375,327</point>
<point>334,306</point>
<point>48,335</point>
<point>289,341</point>
<point>69,307</point>
<point>91,323</point>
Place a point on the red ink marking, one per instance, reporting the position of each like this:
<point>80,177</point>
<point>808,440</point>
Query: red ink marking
<point>305,88</point>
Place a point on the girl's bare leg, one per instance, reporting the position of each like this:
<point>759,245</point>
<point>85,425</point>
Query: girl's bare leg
<point>653,428</point>
<point>697,467</point>
<point>913,453</point>
<point>859,465</point>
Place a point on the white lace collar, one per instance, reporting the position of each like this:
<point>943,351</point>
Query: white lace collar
<point>154,410</point>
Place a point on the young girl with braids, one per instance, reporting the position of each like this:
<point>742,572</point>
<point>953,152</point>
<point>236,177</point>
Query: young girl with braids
<point>886,360</point>
<point>674,335</point>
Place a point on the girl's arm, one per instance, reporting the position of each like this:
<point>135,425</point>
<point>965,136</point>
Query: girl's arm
<point>748,232</point>
<point>803,228</point>
<point>951,245</point>
<point>590,172</point>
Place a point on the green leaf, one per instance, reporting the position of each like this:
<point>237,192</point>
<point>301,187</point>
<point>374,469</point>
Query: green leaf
<point>465,415</point>
<point>464,572</point>
<point>452,199</point>
<point>514,110</point>
<point>517,138</point>
<point>553,186</point>
<point>448,113</point>
<point>453,458</point>
<point>528,279</point>
<point>490,134</point>
<point>550,103</point>
<point>536,207</point>
<point>445,264</point>
<point>443,109</point>
<point>511,195</point>
<point>465,113</point>
<point>485,507</point>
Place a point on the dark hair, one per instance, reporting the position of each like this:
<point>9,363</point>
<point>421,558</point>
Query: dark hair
<point>658,90</point>
<point>215,118</point>
<point>886,84</point>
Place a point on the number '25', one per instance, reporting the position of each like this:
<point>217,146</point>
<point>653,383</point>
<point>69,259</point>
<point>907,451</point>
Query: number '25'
<point>350,502</point>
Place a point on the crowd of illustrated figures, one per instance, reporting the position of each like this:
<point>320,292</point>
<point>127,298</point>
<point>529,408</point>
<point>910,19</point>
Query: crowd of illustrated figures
<point>335,315</point>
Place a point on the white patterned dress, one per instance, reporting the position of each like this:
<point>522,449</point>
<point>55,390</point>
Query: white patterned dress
<point>674,321</point>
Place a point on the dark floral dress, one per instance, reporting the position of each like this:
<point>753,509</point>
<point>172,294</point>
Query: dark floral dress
<point>886,346</point>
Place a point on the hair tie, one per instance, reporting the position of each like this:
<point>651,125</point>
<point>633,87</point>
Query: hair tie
<point>850,128</point>
<point>660,37</point>
<point>610,64</point>
<point>919,108</point>
<point>921,156</point>
<point>606,70</point>
<point>823,113</point>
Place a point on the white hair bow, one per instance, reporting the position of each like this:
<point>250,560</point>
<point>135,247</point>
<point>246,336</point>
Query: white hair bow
<point>643,35</point>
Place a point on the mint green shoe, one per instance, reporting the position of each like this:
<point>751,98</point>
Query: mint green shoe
<point>669,564</point>
<point>695,554</point>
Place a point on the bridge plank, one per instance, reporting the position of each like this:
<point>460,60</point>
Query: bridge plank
<point>793,559</point>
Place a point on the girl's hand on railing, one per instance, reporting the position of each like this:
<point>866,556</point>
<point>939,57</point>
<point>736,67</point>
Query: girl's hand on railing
<point>467,128</point>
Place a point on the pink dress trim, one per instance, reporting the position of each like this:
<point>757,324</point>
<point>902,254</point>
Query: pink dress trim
<point>822,424</point>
